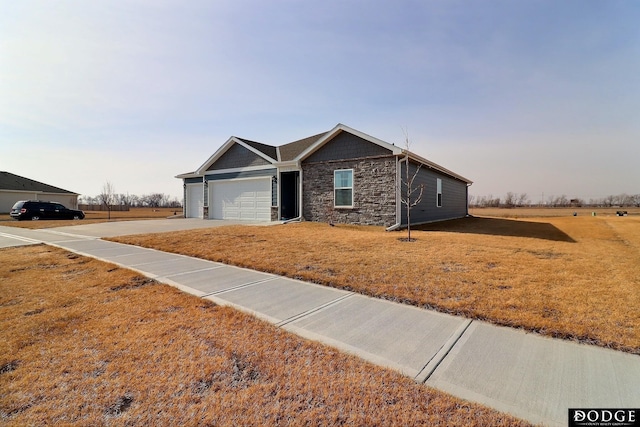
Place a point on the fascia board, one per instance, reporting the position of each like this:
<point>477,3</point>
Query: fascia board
<point>289,166</point>
<point>395,150</point>
<point>339,128</point>
<point>223,149</point>
<point>188,175</point>
<point>319,143</point>
<point>215,156</point>
<point>288,163</point>
<point>245,169</point>
<point>436,166</point>
<point>258,152</point>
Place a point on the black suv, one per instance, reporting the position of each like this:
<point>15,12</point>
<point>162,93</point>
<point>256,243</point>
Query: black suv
<point>36,209</point>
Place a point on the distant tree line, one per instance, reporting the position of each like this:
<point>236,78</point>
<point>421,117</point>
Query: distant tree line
<point>153,200</point>
<point>513,200</point>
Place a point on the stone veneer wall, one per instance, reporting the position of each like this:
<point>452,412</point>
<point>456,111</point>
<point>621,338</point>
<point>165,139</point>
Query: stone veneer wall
<point>374,184</point>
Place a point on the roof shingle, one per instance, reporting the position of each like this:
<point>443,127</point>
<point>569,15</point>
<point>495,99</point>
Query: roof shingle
<point>268,150</point>
<point>9,181</point>
<point>291,150</point>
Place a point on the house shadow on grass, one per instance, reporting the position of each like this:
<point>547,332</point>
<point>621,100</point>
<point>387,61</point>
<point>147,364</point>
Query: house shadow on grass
<point>499,227</point>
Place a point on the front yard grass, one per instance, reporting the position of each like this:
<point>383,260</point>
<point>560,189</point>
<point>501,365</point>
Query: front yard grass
<point>568,277</point>
<point>87,343</point>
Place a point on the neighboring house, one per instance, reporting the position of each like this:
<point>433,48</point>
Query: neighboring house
<point>14,188</point>
<point>342,176</point>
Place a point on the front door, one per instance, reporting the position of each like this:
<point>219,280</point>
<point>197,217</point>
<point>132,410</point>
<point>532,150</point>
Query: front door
<point>289,195</point>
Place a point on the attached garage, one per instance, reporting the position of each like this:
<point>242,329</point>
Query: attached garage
<point>195,200</point>
<point>240,199</point>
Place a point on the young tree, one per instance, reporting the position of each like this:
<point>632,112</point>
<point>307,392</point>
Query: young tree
<point>408,196</point>
<point>107,197</point>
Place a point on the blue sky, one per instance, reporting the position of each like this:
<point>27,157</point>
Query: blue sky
<point>522,96</point>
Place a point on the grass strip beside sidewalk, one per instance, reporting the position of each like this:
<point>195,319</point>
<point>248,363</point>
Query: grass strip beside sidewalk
<point>87,343</point>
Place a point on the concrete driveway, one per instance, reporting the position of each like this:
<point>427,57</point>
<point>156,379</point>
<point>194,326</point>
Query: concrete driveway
<point>124,228</point>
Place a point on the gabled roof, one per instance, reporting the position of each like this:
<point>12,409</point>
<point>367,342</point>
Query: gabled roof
<point>303,148</point>
<point>262,150</point>
<point>268,150</point>
<point>293,149</point>
<point>343,128</point>
<point>9,181</point>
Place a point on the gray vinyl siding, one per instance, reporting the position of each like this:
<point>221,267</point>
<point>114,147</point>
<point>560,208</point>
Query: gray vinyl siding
<point>273,173</point>
<point>454,197</point>
<point>346,146</point>
<point>197,180</point>
<point>238,156</point>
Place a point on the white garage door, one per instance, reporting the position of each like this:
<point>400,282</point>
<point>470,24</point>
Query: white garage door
<point>242,199</point>
<point>195,200</point>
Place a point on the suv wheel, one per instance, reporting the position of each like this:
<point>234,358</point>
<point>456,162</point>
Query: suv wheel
<point>35,218</point>
<point>76,217</point>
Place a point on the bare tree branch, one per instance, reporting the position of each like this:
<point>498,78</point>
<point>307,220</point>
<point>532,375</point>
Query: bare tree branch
<point>407,188</point>
<point>107,197</point>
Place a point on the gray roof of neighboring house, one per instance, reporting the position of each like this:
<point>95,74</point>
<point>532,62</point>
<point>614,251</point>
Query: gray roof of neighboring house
<point>9,181</point>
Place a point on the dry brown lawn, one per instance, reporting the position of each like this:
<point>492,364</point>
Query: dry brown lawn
<point>92,217</point>
<point>527,212</point>
<point>569,277</point>
<point>84,342</point>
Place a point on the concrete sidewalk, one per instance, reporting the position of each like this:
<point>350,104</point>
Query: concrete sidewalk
<point>529,376</point>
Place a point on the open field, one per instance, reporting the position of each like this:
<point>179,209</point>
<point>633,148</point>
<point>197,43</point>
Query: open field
<point>88,343</point>
<point>569,277</point>
<point>548,212</point>
<point>95,217</point>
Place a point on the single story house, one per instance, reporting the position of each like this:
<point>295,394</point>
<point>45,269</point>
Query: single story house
<point>341,176</point>
<point>14,188</point>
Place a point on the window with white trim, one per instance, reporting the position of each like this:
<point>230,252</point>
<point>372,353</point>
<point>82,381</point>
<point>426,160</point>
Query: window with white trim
<point>343,188</point>
<point>439,193</point>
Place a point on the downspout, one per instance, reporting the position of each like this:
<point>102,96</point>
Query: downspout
<point>398,189</point>
<point>184,198</point>
<point>297,219</point>
<point>394,227</point>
